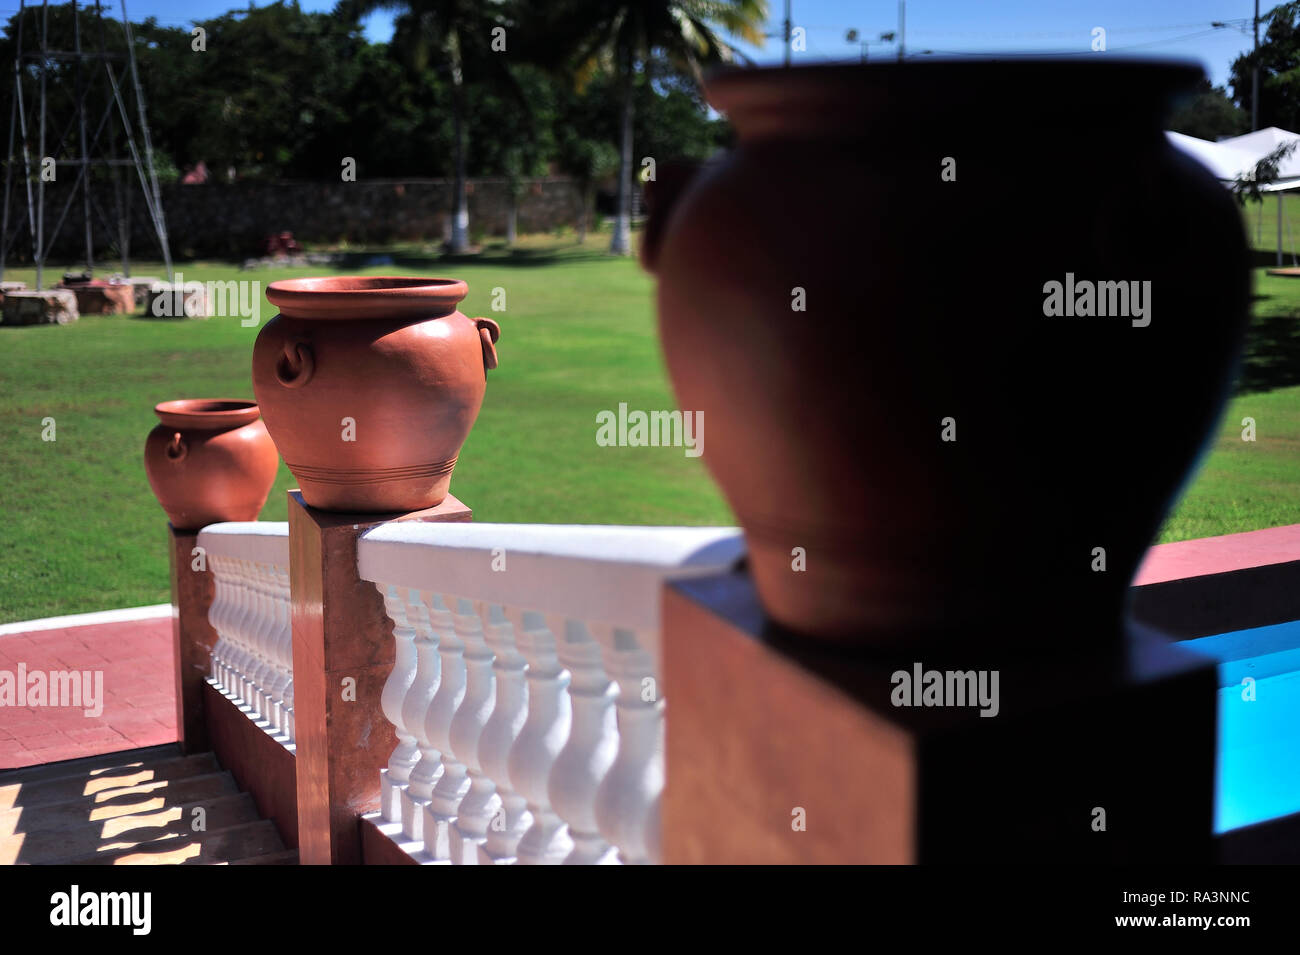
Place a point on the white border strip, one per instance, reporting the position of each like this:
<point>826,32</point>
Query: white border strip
<point>152,612</point>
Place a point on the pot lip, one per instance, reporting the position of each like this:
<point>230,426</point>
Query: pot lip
<point>947,84</point>
<point>207,414</point>
<point>366,296</point>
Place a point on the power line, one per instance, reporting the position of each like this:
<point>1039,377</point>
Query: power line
<point>1117,49</point>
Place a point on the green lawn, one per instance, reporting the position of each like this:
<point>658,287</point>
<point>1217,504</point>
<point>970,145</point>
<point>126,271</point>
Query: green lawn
<point>1244,485</point>
<point>82,531</point>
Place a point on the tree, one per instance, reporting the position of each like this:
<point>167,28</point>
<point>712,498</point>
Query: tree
<point>266,95</point>
<point>588,161</point>
<point>458,37</point>
<point>1209,114</point>
<point>1248,188</point>
<point>1279,70</point>
<point>513,130</point>
<point>621,35</point>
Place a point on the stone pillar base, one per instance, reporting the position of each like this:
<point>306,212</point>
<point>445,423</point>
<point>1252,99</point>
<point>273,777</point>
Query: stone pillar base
<point>342,654</point>
<point>783,750</point>
<point>192,637</point>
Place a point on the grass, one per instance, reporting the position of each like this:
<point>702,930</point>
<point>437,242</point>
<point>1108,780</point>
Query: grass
<point>82,530</point>
<point>1244,485</point>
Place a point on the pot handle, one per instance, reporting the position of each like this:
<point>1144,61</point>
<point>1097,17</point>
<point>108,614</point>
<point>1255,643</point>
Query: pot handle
<point>488,333</point>
<point>295,367</point>
<point>177,449</point>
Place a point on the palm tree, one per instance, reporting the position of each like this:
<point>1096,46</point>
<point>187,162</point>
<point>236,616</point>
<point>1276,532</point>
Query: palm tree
<point>617,35</point>
<point>455,36</point>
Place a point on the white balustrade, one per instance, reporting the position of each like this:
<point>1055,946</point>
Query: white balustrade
<point>398,773</point>
<point>591,748</point>
<point>481,801</point>
<point>634,782</point>
<point>544,734</point>
<point>452,783</point>
<point>504,815</point>
<point>252,661</point>
<point>418,792</point>
<point>528,674</point>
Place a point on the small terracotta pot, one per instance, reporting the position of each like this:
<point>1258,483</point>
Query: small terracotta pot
<point>370,385</point>
<point>873,261</point>
<point>210,460</point>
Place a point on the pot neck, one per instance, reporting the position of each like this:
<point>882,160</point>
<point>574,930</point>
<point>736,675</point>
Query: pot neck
<point>207,414</point>
<point>910,105</point>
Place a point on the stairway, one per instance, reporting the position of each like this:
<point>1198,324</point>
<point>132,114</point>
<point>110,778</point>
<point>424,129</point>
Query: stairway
<point>143,807</point>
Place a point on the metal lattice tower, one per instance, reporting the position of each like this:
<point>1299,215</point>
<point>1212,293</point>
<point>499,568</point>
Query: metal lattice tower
<point>95,127</point>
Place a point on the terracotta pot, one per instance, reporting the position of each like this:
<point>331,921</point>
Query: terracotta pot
<point>370,385</point>
<point>210,460</point>
<point>920,228</point>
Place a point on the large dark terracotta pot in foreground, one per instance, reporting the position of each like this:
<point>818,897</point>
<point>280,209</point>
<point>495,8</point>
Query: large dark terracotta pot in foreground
<point>210,460</point>
<point>921,228</point>
<point>370,385</point>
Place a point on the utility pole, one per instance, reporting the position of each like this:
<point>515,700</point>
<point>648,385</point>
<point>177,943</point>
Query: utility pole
<point>787,30</point>
<point>902,26</point>
<point>97,145</point>
<point>1254,78</point>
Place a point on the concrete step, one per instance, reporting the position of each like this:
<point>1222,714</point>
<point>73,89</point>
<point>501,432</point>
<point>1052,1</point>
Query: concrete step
<point>91,782</point>
<point>146,797</point>
<point>133,808</point>
<point>90,764</point>
<point>50,845</point>
<point>287,857</point>
<point>231,844</point>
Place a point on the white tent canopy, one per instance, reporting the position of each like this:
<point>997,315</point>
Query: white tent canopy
<point>1226,162</point>
<point>1235,158</point>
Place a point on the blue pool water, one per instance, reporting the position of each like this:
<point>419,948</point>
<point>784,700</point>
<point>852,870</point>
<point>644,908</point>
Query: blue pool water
<point>1257,772</point>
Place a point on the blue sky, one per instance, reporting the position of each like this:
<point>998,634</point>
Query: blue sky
<point>1178,28</point>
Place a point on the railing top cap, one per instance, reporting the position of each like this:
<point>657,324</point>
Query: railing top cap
<point>591,572</point>
<point>247,528</point>
<point>664,547</point>
<point>266,542</point>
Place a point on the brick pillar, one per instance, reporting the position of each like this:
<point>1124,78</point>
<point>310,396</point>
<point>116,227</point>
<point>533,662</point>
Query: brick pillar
<point>340,632</point>
<point>192,637</point>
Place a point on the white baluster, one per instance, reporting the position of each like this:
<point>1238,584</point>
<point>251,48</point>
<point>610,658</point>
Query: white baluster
<point>276,677</point>
<point>286,650</point>
<point>218,616</point>
<point>453,783</point>
<point>592,746</point>
<point>428,674</point>
<point>248,634</point>
<point>466,729</point>
<point>271,648</point>
<point>634,783</point>
<point>239,631</point>
<point>233,623</point>
<point>540,741</point>
<point>263,619</point>
<point>504,812</point>
<point>394,778</point>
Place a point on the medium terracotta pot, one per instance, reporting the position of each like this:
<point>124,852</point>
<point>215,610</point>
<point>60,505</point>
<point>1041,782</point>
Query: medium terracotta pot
<point>919,228</point>
<point>370,385</point>
<point>210,460</point>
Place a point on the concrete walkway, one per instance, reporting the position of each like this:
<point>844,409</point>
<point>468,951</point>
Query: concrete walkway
<point>131,659</point>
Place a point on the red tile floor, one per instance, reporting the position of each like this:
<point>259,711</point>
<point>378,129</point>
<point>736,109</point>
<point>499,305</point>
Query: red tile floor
<point>139,707</point>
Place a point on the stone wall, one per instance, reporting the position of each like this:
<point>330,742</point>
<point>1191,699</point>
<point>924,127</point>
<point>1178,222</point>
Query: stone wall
<point>230,221</point>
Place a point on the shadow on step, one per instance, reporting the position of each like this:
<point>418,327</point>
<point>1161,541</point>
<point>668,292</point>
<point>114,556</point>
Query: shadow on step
<point>146,807</point>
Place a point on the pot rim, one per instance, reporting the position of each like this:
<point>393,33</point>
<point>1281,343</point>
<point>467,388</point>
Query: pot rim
<point>834,97</point>
<point>366,296</point>
<point>207,414</point>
